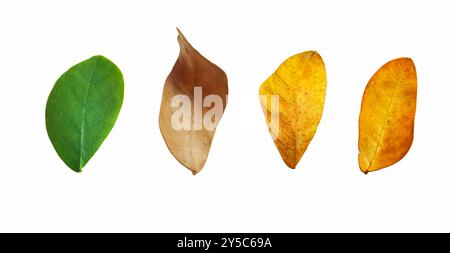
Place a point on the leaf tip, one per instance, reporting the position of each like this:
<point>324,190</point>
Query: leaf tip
<point>405,59</point>
<point>181,37</point>
<point>406,63</point>
<point>99,57</point>
<point>194,168</point>
<point>77,169</point>
<point>291,164</point>
<point>311,53</point>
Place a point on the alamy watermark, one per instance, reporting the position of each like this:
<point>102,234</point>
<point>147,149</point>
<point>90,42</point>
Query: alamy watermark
<point>189,114</point>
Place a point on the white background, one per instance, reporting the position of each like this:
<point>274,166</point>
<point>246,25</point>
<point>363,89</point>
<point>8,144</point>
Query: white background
<point>133,183</point>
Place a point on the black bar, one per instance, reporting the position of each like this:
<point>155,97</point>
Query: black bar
<point>225,242</point>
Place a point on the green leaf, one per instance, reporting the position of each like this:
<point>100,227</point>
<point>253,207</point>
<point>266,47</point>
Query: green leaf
<point>82,109</point>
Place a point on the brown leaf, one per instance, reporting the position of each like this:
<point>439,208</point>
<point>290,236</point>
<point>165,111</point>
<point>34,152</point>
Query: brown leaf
<point>194,90</point>
<point>386,121</point>
<point>292,99</point>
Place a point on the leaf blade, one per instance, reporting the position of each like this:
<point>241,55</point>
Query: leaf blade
<point>191,146</point>
<point>386,122</point>
<point>82,109</point>
<point>300,84</point>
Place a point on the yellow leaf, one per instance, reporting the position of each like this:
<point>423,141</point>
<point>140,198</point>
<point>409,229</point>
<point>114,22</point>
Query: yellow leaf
<point>193,101</point>
<point>292,99</point>
<point>386,121</point>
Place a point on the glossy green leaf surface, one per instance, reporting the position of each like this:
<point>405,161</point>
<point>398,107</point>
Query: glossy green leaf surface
<point>82,109</point>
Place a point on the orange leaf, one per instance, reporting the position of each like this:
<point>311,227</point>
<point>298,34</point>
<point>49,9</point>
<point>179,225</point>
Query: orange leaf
<point>386,121</point>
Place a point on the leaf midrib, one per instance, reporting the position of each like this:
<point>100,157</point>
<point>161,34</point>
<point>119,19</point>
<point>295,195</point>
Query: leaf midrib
<point>296,109</point>
<point>83,113</point>
<point>388,111</point>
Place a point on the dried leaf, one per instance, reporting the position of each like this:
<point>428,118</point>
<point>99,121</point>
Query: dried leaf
<point>201,88</point>
<point>292,100</point>
<point>386,121</point>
